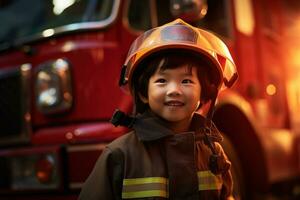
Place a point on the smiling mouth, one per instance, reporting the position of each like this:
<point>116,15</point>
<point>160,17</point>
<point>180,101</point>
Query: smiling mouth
<point>174,103</point>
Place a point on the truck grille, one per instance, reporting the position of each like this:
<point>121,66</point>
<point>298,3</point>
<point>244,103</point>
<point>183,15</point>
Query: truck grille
<point>10,104</point>
<point>14,101</point>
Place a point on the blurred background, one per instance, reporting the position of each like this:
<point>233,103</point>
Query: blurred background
<point>60,63</point>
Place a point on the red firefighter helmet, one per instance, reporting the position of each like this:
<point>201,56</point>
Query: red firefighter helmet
<point>180,35</point>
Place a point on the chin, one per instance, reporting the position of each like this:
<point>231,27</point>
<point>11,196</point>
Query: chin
<point>174,119</point>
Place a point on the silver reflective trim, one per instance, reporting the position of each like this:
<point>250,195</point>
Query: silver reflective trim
<point>74,27</point>
<point>26,93</point>
<point>81,148</point>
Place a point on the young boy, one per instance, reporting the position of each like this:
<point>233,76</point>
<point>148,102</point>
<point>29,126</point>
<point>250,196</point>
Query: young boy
<point>172,152</point>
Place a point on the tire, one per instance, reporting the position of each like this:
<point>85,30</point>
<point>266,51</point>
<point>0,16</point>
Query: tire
<point>239,186</point>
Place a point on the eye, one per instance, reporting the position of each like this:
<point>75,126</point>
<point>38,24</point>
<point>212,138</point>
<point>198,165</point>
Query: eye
<point>187,81</point>
<point>161,80</point>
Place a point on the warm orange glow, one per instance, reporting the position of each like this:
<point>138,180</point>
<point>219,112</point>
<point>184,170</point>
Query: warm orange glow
<point>69,135</point>
<point>292,53</point>
<point>68,96</point>
<point>203,12</point>
<point>44,170</point>
<point>282,138</point>
<point>42,176</point>
<point>68,46</point>
<point>293,92</point>
<point>271,89</point>
<point>294,57</point>
<point>244,16</point>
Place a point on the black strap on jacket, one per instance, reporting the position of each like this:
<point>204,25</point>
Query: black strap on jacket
<point>120,118</point>
<point>217,163</point>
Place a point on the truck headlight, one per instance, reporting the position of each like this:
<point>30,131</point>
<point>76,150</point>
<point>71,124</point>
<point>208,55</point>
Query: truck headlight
<point>53,87</point>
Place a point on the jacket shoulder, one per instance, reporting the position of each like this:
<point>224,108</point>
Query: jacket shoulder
<point>124,141</point>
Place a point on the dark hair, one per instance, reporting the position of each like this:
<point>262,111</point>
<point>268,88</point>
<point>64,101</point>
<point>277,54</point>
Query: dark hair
<point>171,59</point>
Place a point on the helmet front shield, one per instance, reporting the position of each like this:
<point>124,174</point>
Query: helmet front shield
<point>180,35</point>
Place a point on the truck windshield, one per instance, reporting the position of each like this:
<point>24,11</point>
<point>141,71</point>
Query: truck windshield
<point>26,18</point>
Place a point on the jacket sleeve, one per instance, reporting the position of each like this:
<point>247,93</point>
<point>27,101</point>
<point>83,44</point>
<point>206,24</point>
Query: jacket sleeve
<point>226,192</point>
<point>105,181</point>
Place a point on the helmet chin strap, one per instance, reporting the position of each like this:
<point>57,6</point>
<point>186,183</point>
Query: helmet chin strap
<point>120,118</point>
<point>217,163</point>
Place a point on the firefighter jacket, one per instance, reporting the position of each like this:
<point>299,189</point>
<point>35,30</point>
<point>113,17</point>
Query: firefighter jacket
<point>151,162</point>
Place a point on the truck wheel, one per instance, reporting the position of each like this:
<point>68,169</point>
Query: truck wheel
<point>239,186</point>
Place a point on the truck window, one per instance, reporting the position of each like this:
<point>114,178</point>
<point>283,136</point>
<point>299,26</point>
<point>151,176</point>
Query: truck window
<point>218,18</point>
<point>164,14</point>
<point>25,18</point>
<point>139,15</point>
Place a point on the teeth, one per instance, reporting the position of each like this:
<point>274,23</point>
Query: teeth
<point>173,104</point>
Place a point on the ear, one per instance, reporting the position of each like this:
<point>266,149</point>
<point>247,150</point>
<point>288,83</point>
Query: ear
<point>143,98</point>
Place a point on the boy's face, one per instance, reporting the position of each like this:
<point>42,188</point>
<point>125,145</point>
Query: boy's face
<point>174,95</point>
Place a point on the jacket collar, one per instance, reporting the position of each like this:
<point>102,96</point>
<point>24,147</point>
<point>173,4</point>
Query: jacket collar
<point>149,127</point>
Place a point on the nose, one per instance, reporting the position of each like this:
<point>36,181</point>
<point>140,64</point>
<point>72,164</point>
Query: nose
<point>174,89</point>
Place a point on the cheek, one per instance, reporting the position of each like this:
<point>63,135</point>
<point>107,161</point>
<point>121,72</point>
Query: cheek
<point>155,94</point>
<point>195,93</point>
<point>198,91</point>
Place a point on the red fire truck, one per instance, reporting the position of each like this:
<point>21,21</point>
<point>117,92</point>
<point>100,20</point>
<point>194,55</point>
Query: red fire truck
<point>59,67</point>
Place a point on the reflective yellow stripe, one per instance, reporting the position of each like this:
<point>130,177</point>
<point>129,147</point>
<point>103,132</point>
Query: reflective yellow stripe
<point>158,186</point>
<point>135,181</point>
<point>145,187</point>
<point>208,181</point>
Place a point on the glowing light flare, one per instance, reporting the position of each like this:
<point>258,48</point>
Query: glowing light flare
<point>60,6</point>
<point>293,84</point>
<point>61,66</point>
<point>25,67</point>
<point>43,76</point>
<point>271,89</point>
<point>283,138</point>
<point>27,117</point>
<point>203,12</point>
<point>69,136</point>
<point>176,6</point>
<point>68,46</point>
<point>67,96</point>
<point>48,32</point>
<point>294,57</point>
<point>44,169</point>
<point>244,16</point>
<point>293,95</point>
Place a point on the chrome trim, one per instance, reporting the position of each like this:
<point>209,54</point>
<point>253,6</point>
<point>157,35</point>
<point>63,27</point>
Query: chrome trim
<point>24,136</point>
<point>26,85</point>
<point>81,148</point>
<point>74,27</point>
